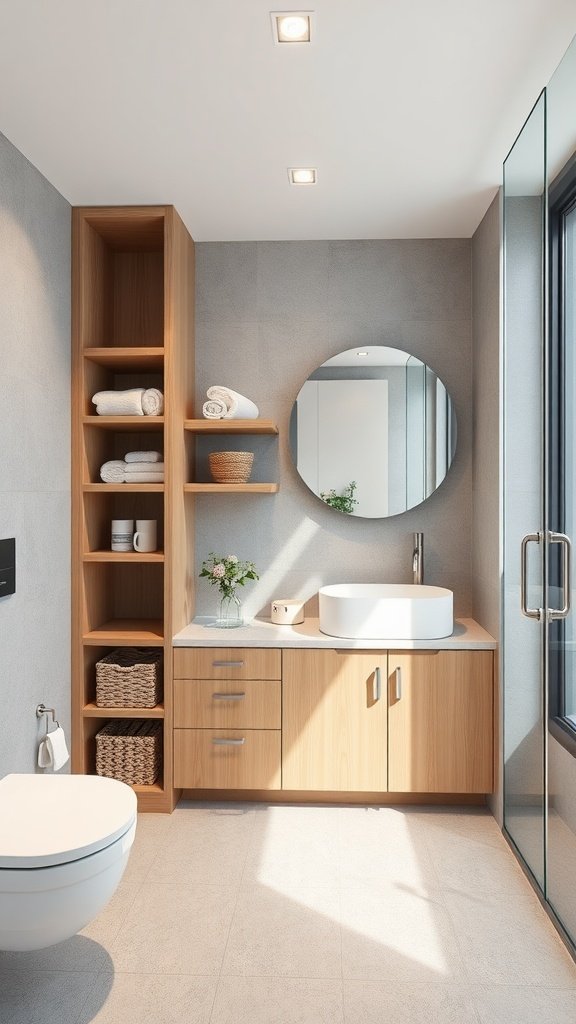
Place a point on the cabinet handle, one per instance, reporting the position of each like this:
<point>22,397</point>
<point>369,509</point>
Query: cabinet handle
<point>377,686</point>
<point>229,743</point>
<point>398,679</point>
<point>228,696</point>
<point>227,664</point>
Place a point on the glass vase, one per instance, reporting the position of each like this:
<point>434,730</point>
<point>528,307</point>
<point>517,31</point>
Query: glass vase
<point>229,614</point>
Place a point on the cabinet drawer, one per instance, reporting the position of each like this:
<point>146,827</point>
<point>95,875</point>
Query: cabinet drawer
<point>205,704</point>
<point>227,758</point>
<point>226,663</point>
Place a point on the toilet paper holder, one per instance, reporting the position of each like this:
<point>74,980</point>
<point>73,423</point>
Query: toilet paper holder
<point>41,709</point>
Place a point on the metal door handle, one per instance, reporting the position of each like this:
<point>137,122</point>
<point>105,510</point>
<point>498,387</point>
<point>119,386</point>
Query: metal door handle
<point>229,743</point>
<point>227,664</point>
<point>561,538</point>
<point>398,680</point>
<point>377,685</point>
<point>228,696</point>
<point>530,613</point>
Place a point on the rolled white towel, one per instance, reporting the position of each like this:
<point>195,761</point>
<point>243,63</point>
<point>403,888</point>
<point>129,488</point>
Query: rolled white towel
<point>214,410</point>
<point>119,403</point>
<point>144,478</point>
<point>152,402</point>
<point>142,467</point>
<point>238,407</point>
<point>113,472</point>
<point>143,457</point>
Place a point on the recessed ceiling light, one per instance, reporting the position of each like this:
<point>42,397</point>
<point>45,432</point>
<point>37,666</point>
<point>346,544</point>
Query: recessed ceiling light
<point>302,175</point>
<point>361,353</point>
<point>292,26</point>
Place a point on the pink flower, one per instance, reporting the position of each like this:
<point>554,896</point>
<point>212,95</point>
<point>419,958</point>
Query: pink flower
<point>219,571</point>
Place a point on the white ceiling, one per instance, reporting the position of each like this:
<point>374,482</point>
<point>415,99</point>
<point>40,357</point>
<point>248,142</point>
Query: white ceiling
<point>406,107</point>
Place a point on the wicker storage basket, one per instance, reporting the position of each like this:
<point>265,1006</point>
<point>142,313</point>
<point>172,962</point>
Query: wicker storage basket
<point>231,467</point>
<point>129,751</point>
<point>129,677</point>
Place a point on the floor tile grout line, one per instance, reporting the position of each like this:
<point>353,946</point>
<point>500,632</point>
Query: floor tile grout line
<point>238,891</point>
<point>91,989</point>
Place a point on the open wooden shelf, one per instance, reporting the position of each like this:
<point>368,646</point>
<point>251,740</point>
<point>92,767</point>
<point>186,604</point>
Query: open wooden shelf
<point>123,556</point>
<point>128,358</point>
<point>231,488</point>
<point>156,789</point>
<point>140,423</point>
<point>92,710</point>
<point>122,488</point>
<point>204,426</point>
<point>127,633</point>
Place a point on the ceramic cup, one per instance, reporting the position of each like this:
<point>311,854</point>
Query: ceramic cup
<point>122,534</point>
<point>145,536</point>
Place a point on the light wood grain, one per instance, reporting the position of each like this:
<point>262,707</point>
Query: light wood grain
<point>126,358</point>
<point>138,423</point>
<point>92,710</point>
<point>127,633</point>
<point>244,663</point>
<point>333,730</point>
<point>231,426</point>
<point>201,764</point>
<point>202,704</point>
<point>441,728</point>
<point>123,556</point>
<point>258,488</point>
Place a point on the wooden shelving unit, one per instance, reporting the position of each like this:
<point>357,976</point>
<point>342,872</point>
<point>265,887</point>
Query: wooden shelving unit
<point>132,325</point>
<point>248,488</point>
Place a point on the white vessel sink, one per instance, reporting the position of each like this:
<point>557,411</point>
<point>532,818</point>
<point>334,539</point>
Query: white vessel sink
<point>386,611</point>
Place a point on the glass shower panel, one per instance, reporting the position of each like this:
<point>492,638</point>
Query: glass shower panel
<point>523,647</point>
<point>561,848</point>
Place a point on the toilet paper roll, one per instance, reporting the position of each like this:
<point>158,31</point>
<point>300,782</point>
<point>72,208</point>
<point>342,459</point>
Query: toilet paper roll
<point>52,751</point>
<point>287,612</point>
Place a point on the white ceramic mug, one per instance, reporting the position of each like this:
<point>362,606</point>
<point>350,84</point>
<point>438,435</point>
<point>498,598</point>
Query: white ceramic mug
<point>145,536</point>
<point>122,534</point>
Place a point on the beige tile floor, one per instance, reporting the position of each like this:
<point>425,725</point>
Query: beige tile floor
<point>306,915</point>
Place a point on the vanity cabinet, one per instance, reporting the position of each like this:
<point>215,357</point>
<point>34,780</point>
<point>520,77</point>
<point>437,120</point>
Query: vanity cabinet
<point>388,721</point>
<point>440,722</point>
<point>227,717</point>
<point>334,724</point>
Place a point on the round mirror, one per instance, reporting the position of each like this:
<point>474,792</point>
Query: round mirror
<point>373,432</point>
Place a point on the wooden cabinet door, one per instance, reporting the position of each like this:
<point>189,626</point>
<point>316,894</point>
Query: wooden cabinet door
<point>334,722</point>
<point>440,722</point>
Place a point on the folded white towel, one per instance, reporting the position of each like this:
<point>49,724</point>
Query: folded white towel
<point>130,468</point>
<point>134,402</point>
<point>239,407</point>
<point>152,402</point>
<point>53,752</point>
<point>113,472</point>
<point>143,457</point>
<point>214,410</point>
<point>119,403</point>
<point>144,478</point>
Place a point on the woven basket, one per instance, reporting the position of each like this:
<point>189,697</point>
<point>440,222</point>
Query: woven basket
<point>130,752</point>
<point>129,677</point>
<point>231,467</point>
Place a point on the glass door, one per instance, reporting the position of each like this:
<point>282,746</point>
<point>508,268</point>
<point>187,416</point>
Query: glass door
<point>524,548</point>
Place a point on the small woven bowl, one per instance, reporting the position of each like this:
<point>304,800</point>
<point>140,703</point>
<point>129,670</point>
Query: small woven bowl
<point>231,467</point>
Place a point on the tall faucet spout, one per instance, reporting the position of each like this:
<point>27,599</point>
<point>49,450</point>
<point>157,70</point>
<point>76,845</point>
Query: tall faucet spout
<point>418,558</point>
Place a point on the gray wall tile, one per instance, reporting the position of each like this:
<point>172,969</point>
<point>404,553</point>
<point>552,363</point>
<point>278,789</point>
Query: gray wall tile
<point>269,314</point>
<point>35,454</point>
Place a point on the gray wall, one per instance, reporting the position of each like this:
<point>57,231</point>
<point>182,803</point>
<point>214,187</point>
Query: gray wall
<point>34,453</point>
<point>269,313</point>
<point>486,584</point>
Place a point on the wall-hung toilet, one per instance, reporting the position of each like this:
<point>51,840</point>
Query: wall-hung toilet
<point>64,844</point>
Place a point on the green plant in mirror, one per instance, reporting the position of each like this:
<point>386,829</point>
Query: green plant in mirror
<point>344,502</point>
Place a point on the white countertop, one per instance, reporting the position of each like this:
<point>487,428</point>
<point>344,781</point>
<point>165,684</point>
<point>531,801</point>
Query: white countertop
<point>467,636</point>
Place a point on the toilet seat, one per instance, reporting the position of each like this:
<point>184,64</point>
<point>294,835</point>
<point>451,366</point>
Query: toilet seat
<point>49,820</point>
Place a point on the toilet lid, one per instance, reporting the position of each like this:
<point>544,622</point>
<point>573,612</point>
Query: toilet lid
<point>54,819</point>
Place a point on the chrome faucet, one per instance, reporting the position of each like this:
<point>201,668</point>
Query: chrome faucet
<point>418,558</point>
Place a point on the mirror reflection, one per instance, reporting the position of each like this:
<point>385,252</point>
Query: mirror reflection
<point>373,432</point>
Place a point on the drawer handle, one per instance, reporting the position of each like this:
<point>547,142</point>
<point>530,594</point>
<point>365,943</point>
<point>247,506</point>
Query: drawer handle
<point>227,664</point>
<point>228,696</point>
<point>377,685</point>
<point>398,677</point>
<point>229,743</point>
